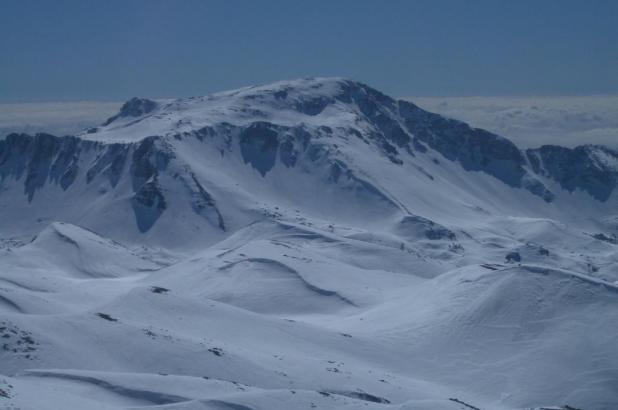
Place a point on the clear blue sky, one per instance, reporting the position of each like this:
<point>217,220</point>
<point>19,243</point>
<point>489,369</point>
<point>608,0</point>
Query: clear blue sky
<point>113,50</point>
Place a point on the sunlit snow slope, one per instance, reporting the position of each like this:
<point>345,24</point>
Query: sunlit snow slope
<point>305,244</point>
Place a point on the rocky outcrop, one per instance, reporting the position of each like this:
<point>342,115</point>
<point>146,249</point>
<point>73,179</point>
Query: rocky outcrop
<point>589,168</point>
<point>473,148</point>
<point>135,107</point>
<point>38,159</point>
<point>259,144</point>
<point>46,160</point>
<point>414,227</point>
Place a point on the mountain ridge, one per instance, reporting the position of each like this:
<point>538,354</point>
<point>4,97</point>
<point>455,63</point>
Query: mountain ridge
<point>267,135</point>
<point>473,151</point>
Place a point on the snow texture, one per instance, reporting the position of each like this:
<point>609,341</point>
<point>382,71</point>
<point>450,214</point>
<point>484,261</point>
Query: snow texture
<point>305,244</point>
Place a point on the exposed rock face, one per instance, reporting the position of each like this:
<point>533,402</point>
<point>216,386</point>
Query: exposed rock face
<point>111,163</point>
<point>43,159</point>
<point>592,169</point>
<point>417,227</point>
<point>204,204</point>
<point>39,159</point>
<point>513,257</point>
<point>379,109</point>
<point>148,200</point>
<point>135,107</point>
<point>259,145</point>
<point>474,149</point>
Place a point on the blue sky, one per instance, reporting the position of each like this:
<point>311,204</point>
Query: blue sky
<point>113,50</point>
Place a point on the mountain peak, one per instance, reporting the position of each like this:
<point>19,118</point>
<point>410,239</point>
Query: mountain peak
<point>135,107</point>
<point>316,101</point>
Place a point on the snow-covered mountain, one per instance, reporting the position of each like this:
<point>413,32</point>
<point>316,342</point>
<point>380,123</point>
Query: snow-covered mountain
<point>305,244</point>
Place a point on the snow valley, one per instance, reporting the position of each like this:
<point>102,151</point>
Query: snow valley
<point>305,244</point>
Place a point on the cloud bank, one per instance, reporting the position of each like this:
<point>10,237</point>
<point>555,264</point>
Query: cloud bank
<point>58,118</point>
<point>534,121</point>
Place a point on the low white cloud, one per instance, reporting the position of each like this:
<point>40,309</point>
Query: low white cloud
<point>534,121</point>
<point>58,118</point>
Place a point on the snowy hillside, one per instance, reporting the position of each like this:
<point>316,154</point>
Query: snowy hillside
<point>305,244</point>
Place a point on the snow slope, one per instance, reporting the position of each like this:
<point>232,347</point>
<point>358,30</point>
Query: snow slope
<point>304,244</point>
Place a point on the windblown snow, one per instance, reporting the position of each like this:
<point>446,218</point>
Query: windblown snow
<point>305,244</point>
